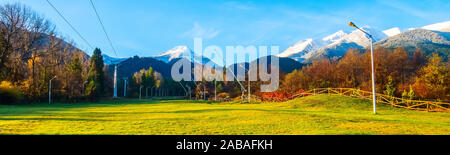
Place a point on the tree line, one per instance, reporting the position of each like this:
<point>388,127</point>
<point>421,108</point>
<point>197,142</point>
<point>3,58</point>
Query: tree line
<point>397,74</point>
<point>32,53</point>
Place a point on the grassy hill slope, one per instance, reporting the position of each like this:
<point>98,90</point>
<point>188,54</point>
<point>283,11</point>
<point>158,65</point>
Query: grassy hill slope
<point>322,114</point>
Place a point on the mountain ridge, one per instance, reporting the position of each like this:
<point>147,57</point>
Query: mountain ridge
<point>306,51</point>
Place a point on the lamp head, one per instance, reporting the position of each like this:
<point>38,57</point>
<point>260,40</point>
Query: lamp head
<point>352,25</point>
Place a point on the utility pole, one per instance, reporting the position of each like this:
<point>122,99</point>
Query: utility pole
<point>152,92</point>
<point>249,93</point>
<point>50,90</point>
<point>84,87</point>
<point>115,81</point>
<point>215,90</point>
<point>190,92</point>
<point>204,93</point>
<point>125,87</point>
<point>140,92</point>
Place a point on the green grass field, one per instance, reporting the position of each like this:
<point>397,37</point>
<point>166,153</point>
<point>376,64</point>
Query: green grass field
<point>321,115</point>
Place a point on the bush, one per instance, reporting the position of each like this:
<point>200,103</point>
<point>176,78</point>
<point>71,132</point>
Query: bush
<point>9,94</point>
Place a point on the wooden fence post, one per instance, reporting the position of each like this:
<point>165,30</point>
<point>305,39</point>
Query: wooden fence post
<point>392,101</point>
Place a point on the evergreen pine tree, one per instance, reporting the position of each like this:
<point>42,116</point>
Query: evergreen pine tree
<point>96,77</point>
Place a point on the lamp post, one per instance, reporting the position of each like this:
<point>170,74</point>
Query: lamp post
<point>190,92</point>
<point>125,83</point>
<point>151,91</point>
<point>83,91</point>
<point>115,82</point>
<point>50,90</point>
<point>373,68</point>
<point>140,91</point>
<point>215,90</point>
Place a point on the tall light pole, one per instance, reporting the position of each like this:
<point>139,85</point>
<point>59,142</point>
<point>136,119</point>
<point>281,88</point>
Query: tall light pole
<point>151,91</point>
<point>115,81</point>
<point>140,91</point>
<point>215,90</point>
<point>50,90</point>
<point>373,67</point>
<point>190,92</point>
<point>125,87</point>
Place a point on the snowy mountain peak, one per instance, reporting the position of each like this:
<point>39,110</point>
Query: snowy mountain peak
<point>183,52</point>
<point>335,36</point>
<point>174,52</point>
<point>301,48</point>
<point>392,32</point>
<point>361,39</point>
<point>443,26</point>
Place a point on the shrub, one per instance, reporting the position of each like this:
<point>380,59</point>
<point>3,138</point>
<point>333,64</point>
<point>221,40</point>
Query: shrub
<point>223,96</point>
<point>9,94</point>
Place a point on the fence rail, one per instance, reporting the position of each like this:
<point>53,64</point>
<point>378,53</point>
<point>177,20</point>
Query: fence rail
<point>429,106</point>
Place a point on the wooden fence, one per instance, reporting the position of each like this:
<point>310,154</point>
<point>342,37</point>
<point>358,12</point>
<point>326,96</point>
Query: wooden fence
<point>383,99</point>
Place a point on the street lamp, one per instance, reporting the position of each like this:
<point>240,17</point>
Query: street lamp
<point>151,91</point>
<point>125,87</point>
<point>50,90</point>
<point>140,91</point>
<point>373,68</point>
<point>190,92</point>
<point>115,82</point>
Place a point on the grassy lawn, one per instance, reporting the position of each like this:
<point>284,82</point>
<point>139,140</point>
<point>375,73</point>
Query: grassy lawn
<point>322,114</point>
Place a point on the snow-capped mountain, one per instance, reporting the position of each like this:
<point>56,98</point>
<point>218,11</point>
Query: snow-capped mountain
<point>335,37</point>
<point>334,45</point>
<point>337,44</point>
<point>171,54</point>
<point>392,32</point>
<point>304,49</point>
<point>443,27</point>
<point>111,60</point>
<point>417,38</point>
<point>361,39</point>
<point>181,52</point>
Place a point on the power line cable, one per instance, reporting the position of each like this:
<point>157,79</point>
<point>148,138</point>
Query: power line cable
<point>103,27</point>
<point>71,26</point>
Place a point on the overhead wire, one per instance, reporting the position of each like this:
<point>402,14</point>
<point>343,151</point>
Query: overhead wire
<point>103,27</point>
<point>71,26</point>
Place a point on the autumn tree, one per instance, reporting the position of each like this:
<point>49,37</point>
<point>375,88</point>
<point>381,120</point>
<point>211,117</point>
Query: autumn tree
<point>295,81</point>
<point>349,69</point>
<point>432,80</point>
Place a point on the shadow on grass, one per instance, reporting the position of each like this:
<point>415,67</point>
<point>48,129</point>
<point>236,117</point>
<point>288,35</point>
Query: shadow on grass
<point>52,119</point>
<point>46,109</point>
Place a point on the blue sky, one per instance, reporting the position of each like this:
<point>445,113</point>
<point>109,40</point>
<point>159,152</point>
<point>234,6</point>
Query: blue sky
<point>149,27</point>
